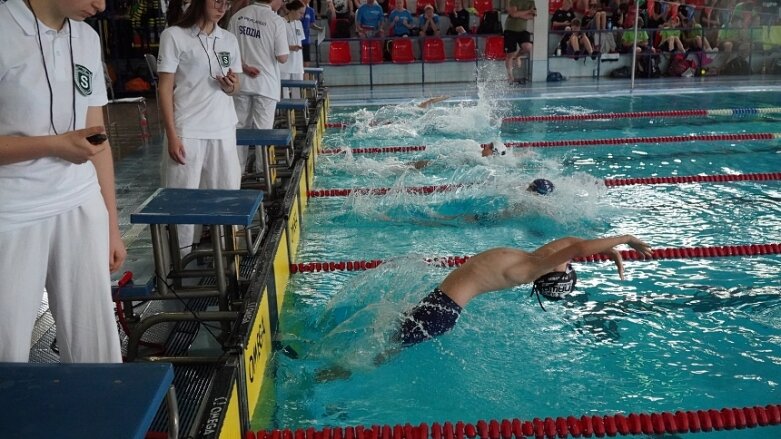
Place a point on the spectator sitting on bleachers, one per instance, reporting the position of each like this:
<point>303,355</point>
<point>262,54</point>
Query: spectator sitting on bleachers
<point>628,37</point>
<point>400,20</point>
<point>429,22</point>
<point>709,19</point>
<point>340,17</point>
<point>369,20</point>
<point>563,16</point>
<point>459,19</point>
<point>576,42</point>
<point>670,40</point>
<point>693,37</point>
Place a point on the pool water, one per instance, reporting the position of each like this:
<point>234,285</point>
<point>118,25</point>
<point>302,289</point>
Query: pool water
<point>676,334</point>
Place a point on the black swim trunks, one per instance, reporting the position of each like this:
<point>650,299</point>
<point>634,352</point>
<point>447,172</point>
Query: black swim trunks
<point>431,317</point>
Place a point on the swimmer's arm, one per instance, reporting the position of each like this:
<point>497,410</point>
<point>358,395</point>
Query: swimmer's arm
<point>566,249</point>
<point>432,101</point>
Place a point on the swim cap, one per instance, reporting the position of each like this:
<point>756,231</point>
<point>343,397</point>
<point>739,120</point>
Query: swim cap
<point>541,186</point>
<point>498,148</point>
<point>556,284</point>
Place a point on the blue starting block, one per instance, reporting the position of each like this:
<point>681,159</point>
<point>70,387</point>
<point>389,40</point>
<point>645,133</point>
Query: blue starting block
<point>74,401</point>
<point>315,73</point>
<point>288,107</point>
<point>265,142</point>
<point>215,207</point>
<point>307,86</point>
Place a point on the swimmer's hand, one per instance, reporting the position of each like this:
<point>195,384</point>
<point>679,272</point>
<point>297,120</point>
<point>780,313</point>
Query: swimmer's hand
<point>641,247</point>
<point>332,373</point>
<point>615,256</point>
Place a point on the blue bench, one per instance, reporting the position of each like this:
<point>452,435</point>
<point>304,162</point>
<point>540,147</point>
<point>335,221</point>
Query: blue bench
<point>265,142</point>
<point>75,401</point>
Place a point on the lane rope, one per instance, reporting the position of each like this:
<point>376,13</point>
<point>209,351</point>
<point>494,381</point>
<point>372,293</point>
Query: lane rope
<point>609,182</point>
<point>681,421</point>
<point>737,112</point>
<point>627,255</point>
<point>577,142</point>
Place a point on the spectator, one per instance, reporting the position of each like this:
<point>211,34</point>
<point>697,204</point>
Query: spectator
<point>400,20</point>
<point>517,38</point>
<point>563,16</point>
<point>575,42</point>
<point>670,40</point>
<point>693,37</point>
<point>459,19</point>
<point>263,44</point>
<point>294,67</point>
<point>429,22</point>
<point>369,20</point>
<point>709,19</point>
<point>340,18</point>
<point>628,37</point>
<point>308,23</point>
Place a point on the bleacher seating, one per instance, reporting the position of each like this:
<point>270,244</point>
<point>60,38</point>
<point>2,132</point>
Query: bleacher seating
<point>339,52</point>
<point>371,51</point>
<point>422,4</point>
<point>465,49</point>
<point>482,6</point>
<point>433,50</point>
<point>401,51</point>
<point>494,48</point>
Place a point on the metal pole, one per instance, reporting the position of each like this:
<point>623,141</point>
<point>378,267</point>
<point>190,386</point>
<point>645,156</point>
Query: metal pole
<point>634,45</point>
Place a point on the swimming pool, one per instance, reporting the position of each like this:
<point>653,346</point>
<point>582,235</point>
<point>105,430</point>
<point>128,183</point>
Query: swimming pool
<point>687,333</point>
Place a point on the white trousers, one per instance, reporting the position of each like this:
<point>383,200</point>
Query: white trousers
<point>254,112</point>
<point>68,255</point>
<point>209,164</point>
<point>294,92</point>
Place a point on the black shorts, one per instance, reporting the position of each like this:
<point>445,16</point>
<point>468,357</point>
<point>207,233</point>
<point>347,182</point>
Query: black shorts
<point>433,316</point>
<point>305,52</point>
<point>513,40</point>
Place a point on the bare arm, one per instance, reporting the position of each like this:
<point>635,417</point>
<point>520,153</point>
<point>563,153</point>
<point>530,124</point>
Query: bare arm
<point>563,250</point>
<point>166,94</point>
<point>104,166</point>
<point>71,146</point>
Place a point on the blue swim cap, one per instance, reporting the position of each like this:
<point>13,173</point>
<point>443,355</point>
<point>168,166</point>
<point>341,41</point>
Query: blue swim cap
<point>541,186</point>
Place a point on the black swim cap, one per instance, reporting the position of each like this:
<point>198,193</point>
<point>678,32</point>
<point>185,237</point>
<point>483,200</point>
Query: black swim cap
<point>555,285</point>
<point>541,186</point>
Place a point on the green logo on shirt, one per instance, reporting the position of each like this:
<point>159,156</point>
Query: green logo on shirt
<point>224,58</point>
<point>82,77</point>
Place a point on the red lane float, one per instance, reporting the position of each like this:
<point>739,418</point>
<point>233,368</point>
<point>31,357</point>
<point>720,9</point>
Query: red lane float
<point>633,140</point>
<point>376,150</point>
<point>609,182</point>
<point>688,421</point>
<point>606,116</point>
<point>628,255</point>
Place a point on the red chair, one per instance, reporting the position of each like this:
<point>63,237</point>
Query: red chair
<point>422,4</point>
<point>401,51</point>
<point>450,5</point>
<point>465,49</point>
<point>483,6</point>
<point>339,52</point>
<point>392,5</point>
<point>433,50</point>
<point>371,51</point>
<point>494,47</point>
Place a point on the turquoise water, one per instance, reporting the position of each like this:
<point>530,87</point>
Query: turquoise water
<point>678,334</point>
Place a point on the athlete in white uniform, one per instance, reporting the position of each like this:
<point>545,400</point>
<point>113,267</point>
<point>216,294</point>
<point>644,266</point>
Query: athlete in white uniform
<point>263,44</point>
<point>202,61</point>
<point>58,216</point>
<point>294,67</point>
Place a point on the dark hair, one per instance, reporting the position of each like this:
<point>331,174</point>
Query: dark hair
<point>294,5</point>
<point>174,12</point>
<point>194,14</point>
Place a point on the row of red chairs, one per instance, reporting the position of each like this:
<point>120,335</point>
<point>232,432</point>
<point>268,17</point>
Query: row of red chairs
<point>480,5</point>
<point>401,50</point>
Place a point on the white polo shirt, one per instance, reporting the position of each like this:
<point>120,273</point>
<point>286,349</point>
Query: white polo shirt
<point>262,37</point>
<point>34,190</point>
<point>295,36</point>
<point>201,109</point>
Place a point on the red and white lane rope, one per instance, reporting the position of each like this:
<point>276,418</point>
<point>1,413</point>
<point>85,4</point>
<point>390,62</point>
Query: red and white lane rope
<point>739,112</point>
<point>609,182</point>
<point>681,421</point>
<point>579,142</point>
<point>628,255</point>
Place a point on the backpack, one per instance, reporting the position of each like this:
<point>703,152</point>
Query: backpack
<point>647,67</point>
<point>490,23</point>
<point>621,73</point>
<point>737,66</point>
<point>679,64</point>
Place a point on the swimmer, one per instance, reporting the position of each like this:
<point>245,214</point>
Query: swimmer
<point>547,268</point>
<point>541,186</point>
<point>431,101</point>
<point>488,150</point>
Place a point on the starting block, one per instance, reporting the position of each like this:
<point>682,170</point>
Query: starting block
<point>268,141</point>
<point>308,86</point>
<point>73,401</point>
<point>313,73</point>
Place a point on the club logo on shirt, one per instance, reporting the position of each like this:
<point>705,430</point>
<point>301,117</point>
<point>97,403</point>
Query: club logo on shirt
<point>224,58</point>
<point>82,78</point>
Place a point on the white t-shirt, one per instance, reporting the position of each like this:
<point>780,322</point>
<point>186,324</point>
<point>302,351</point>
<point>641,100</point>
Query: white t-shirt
<point>201,109</point>
<point>295,36</point>
<point>262,37</point>
<point>34,190</point>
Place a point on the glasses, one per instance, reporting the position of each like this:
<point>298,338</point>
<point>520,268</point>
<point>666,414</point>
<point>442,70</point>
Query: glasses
<point>219,4</point>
